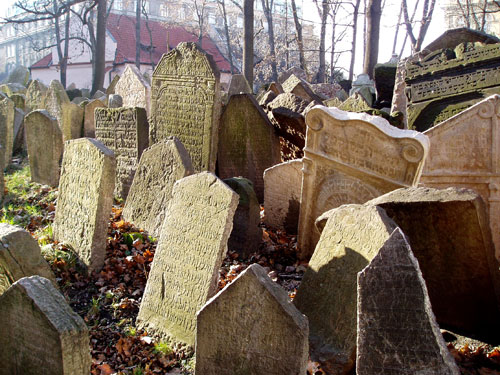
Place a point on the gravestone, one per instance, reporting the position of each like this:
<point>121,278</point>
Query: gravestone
<point>34,95</point>
<point>160,166</point>
<point>115,101</point>
<point>19,134</point>
<point>89,119</point>
<point>192,245</point>
<point>85,199</point>
<point>233,334</point>
<point>354,103</point>
<point>2,181</point>
<point>134,89</point>
<point>185,103</point>
<point>299,87</point>
<point>7,118</point>
<point>20,75</point>
<point>112,85</point>
<point>327,294</point>
<point>282,186</point>
<point>125,132</point>
<point>352,158</point>
<point>41,334</point>
<point>365,87</point>
<point>450,236</point>
<point>239,85</point>
<point>19,101</point>
<point>54,99</point>
<point>20,257</point>
<point>12,88</point>
<point>248,144</point>
<point>72,121</point>
<point>294,70</point>
<point>45,147</point>
<point>397,331</point>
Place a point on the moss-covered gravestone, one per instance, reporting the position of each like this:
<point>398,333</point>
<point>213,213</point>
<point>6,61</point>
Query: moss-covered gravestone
<point>35,94</point>
<point>7,117</point>
<point>238,85</point>
<point>19,75</point>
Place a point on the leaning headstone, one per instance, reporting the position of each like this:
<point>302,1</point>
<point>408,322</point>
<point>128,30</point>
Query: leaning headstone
<point>282,186</point>
<point>134,89</point>
<point>299,87</point>
<point>185,269</point>
<point>125,132</point>
<point>89,120</point>
<point>34,95</point>
<point>239,85</point>
<point>365,87</point>
<point>294,70</point>
<point>354,103</point>
<point>20,75</point>
<point>397,331</point>
<point>233,330</point>
<point>45,147</point>
<point>115,101</point>
<point>85,199</point>
<point>71,123</point>
<point>112,85</point>
<point>248,144</point>
<point>185,103</point>
<point>352,158</point>
<point>160,166</point>
<point>20,257</point>
<point>7,118</point>
<point>327,295</point>
<point>40,333</point>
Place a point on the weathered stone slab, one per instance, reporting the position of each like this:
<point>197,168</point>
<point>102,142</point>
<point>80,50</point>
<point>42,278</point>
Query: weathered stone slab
<point>85,199</point>
<point>2,181</point>
<point>248,144</point>
<point>160,166</point>
<point>71,123</point>
<point>45,147</point>
<point>34,95</point>
<point>239,85</point>
<point>185,269</point>
<point>185,103</point>
<point>327,294</point>
<point>41,334</point>
<point>19,101</point>
<point>294,70</point>
<point>125,132</point>
<point>299,87</point>
<point>7,117</point>
<point>282,184</point>
<point>19,134</point>
<point>12,88</point>
<point>397,331</point>
<point>54,99</point>
<point>352,158</point>
<point>89,119</point>
<point>20,75</point>
<point>20,257</point>
<point>112,85</point>
<point>134,89</point>
<point>355,103</point>
<point>233,334</point>
<point>449,234</point>
<point>115,101</point>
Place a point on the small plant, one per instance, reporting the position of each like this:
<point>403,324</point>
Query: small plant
<point>162,348</point>
<point>45,235</point>
<point>138,371</point>
<point>130,331</point>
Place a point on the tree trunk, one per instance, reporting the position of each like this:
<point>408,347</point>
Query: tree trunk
<point>248,41</point>
<point>322,42</point>
<point>372,36</point>
<point>64,62</point>
<point>138,34</point>
<point>222,4</point>
<point>300,41</point>
<point>332,55</point>
<point>268,9</point>
<point>100,56</point>
<point>354,36</point>
<point>57,29</point>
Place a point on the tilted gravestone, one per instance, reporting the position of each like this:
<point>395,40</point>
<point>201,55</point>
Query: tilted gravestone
<point>299,87</point>
<point>193,242</point>
<point>352,158</point>
<point>20,257</point>
<point>185,103</point>
<point>125,132</point>
<point>35,94</point>
<point>41,334</point>
<point>234,330</point>
<point>327,295</point>
<point>7,117</point>
<point>112,85</point>
<point>89,119</point>
<point>19,101</point>
<point>248,144</point>
<point>134,89</point>
<point>85,199</point>
<point>45,147</point>
<point>397,331</point>
<point>160,166</point>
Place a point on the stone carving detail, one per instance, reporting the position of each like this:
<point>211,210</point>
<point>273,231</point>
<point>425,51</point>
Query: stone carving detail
<point>134,89</point>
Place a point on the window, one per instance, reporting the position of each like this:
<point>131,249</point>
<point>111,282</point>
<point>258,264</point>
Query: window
<point>163,10</point>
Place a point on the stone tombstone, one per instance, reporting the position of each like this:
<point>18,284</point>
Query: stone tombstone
<point>2,181</point>
<point>354,103</point>
<point>72,121</point>
<point>352,158</point>
<point>299,87</point>
<point>125,132</point>
<point>234,333</point>
<point>186,103</point>
<point>20,256</point>
<point>160,166</point>
<point>115,101</point>
<point>192,245</point>
<point>54,99</point>
<point>45,147</point>
<point>20,75</point>
<point>282,186</point>
<point>449,234</point>
<point>239,85</point>
<point>19,101</point>
<point>85,199</point>
<point>35,94</point>
<point>89,120</point>
<point>112,85</point>
<point>12,88</point>
<point>248,144</point>
<point>397,331</point>
<point>7,118</point>
<point>40,333</point>
<point>352,236</point>
<point>294,70</point>
<point>246,235</point>
<point>19,134</point>
<point>134,89</point>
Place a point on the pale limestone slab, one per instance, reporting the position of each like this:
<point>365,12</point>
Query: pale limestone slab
<point>89,118</point>
<point>134,89</point>
<point>7,118</point>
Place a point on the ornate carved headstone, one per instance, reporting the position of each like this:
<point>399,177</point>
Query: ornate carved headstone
<point>85,199</point>
<point>134,89</point>
<point>7,115</point>
<point>185,103</point>
<point>89,119</point>
<point>352,158</point>
<point>35,94</point>
<point>185,269</point>
<point>160,166</point>
<point>233,330</point>
<point>40,333</point>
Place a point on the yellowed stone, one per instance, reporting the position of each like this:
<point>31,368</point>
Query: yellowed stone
<point>134,89</point>
<point>89,117</point>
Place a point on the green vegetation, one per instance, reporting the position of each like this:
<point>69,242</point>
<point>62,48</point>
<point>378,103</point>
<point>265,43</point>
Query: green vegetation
<point>163,348</point>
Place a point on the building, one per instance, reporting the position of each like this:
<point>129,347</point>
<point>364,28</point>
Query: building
<point>479,15</point>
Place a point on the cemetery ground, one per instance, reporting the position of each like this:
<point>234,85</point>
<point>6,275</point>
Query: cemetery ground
<point>109,300</point>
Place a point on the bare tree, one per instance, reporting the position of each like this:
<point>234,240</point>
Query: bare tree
<point>222,9</point>
<point>374,12</point>
<point>323,14</point>
<point>267,7</point>
<point>138,33</point>
<point>473,13</point>
<point>354,37</point>
<point>427,10</point>
<point>300,40</point>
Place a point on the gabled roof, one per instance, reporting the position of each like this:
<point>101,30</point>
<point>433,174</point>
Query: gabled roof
<point>43,63</point>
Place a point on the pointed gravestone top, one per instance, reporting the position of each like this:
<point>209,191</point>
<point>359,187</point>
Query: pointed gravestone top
<point>34,95</point>
<point>134,89</point>
<point>239,85</point>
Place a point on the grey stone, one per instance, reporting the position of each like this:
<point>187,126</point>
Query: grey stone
<point>115,101</point>
<point>12,88</point>
<point>19,133</point>
<point>19,101</point>
<point>239,85</point>
<point>54,99</point>
<point>89,120</point>
<point>299,87</point>
<point>112,85</point>
<point>71,122</point>
<point>134,89</point>
<point>20,75</point>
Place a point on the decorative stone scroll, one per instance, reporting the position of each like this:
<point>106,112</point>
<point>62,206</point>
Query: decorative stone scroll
<point>134,89</point>
<point>185,269</point>
<point>185,103</point>
<point>352,158</point>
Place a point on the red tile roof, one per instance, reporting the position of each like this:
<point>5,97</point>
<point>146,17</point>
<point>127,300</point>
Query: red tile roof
<point>44,62</point>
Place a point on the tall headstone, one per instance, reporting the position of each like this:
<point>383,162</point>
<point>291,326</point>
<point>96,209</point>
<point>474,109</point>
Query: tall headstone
<point>7,117</point>
<point>327,295</point>
<point>248,144</point>
<point>233,333</point>
<point>125,132</point>
<point>34,95</point>
<point>134,89</point>
<point>71,123</point>
<point>89,119</point>
<point>160,166</point>
<point>54,99</point>
<point>85,199</point>
<point>192,244</point>
<point>40,333</point>
<point>185,103</point>
<point>45,147</point>
<point>397,331</point>
<point>352,158</point>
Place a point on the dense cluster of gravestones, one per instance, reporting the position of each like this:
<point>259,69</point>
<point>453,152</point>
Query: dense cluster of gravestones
<point>389,262</point>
